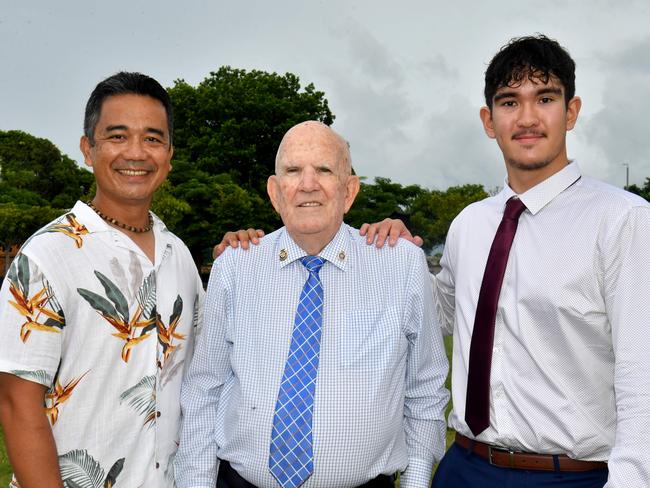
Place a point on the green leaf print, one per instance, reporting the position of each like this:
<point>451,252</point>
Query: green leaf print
<point>146,296</point>
<point>39,376</point>
<point>167,334</point>
<point>195,313</point>
<point>98,302</point>
<point>114,472</point>
<point>12,274</point>
<point>176,310</point>
<point>41,312</point>
<point>132,330</point>
<point>142,397</point>
<point>79,469</point>
<point>114,295</point>
<point>19,273</point>
<point>54,304</point>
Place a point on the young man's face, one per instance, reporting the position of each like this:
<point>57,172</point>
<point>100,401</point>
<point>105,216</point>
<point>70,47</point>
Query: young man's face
<point>529,122</point>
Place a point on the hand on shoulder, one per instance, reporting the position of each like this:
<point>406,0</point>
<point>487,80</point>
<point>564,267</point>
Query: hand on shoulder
<point>237,238</point>
<point>391,229</point>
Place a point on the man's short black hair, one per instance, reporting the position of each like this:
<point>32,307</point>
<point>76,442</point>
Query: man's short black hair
<point>534,58</point>
<point>124,83</point>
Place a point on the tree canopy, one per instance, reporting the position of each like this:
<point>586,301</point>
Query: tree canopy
<point>34,172</point>
<point>232,122</point>
<point>433,212</point>
<point>37,183</point>
<point>643,191</point>
<point>226,132</point>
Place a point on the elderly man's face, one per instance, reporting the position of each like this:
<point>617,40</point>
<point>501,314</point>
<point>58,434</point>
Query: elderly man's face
<point>312,188</point>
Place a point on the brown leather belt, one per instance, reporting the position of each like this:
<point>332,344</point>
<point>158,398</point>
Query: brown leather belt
<point>504,458</point>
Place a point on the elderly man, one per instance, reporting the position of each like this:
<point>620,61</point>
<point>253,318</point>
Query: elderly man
<point>337,385</point>
<point>98,313</point>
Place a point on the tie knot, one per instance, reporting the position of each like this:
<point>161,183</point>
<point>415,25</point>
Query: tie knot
<point>312,263</point>
<point>514,208</point>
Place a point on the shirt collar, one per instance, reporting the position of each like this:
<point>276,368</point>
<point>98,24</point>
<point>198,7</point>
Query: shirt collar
<point>537,197</point>
<point>336,251</point>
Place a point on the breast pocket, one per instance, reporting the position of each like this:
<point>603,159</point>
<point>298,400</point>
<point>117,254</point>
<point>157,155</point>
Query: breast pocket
<point>372,339</point>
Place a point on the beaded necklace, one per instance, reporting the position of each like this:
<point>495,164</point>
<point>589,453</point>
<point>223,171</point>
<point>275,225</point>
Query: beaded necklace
<point>130,228</point>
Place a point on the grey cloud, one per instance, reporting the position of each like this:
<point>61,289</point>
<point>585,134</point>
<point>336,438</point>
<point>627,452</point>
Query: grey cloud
<point>454,150</point>
<point>620,128</point>
<point>634,59</point>
<point>396,74</point>
<point>438,66</point>
<point>368,95</point>
<point>372,58</point>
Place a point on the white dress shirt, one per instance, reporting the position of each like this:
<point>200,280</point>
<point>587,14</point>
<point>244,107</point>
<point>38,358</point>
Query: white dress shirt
<point>380,397</point>
<point>571,358</point>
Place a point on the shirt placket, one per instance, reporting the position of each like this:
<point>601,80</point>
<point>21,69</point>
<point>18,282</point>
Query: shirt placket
<point>498,371</point>
<point>159,359</point>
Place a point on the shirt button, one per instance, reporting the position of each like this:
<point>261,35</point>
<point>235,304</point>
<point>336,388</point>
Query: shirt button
<point>157,465</point>
<point>158,413</point>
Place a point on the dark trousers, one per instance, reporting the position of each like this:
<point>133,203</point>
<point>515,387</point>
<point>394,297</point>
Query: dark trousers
<point>229,478</point>
<point>463,469</point>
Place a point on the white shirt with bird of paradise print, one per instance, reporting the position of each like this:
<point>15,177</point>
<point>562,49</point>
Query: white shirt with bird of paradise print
<point>84,312</point>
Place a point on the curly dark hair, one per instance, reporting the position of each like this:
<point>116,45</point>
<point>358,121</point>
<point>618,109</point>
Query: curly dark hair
<point>532,57</point>
<point>124,83</point>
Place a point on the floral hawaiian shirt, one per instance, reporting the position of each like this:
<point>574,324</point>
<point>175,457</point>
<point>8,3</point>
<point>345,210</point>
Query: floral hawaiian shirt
<point>84,312</point>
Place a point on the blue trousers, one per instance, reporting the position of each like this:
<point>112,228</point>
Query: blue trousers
<point>462,469</point>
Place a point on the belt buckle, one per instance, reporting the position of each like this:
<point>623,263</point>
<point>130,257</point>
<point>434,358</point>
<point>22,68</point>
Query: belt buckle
<point>511,456</point>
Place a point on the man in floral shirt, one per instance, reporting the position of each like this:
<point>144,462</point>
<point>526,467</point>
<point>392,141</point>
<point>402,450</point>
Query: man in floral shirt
<point>98,313</point>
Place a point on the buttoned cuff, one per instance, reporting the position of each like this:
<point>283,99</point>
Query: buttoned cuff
<point>417,474</point>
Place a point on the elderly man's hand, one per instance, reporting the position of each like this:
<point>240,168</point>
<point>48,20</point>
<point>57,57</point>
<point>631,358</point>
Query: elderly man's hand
<point>391,228</point>
<point>234,239</point>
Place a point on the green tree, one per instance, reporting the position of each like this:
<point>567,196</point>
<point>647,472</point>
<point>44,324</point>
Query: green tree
<point>233,121</point>
<point>213,205</point>
<point>381,199</point>
<point>432,212</point>
<point>33,171</point>
<point>226,133</point>
<point>18,222</point>
<point>170,209</point>
<point>643,191</point>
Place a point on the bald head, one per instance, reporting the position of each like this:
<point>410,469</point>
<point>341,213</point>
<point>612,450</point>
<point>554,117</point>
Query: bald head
<point>312,187</point>
<point>315,134</point>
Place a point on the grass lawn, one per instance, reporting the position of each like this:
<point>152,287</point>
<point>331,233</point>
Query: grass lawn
<point>5,468</point>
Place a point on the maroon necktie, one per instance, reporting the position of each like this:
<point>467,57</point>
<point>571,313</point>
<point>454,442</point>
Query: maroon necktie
<point>477,403</point>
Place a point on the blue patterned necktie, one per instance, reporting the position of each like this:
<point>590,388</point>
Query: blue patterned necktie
<point>292,458</point>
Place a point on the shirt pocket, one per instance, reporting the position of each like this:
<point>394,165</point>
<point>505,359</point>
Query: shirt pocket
<point>371,339</point>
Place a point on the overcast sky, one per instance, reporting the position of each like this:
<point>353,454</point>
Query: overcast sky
<point>404,79</point>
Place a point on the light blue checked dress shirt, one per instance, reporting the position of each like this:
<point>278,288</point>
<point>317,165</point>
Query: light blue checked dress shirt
<point>380,397</point>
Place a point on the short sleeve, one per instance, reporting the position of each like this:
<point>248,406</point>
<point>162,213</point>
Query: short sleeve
<point>31,323</point>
